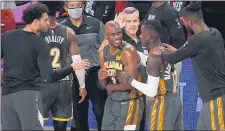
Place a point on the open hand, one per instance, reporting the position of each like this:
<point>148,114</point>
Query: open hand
<point>83,94</point>
<point>82,64</point>
<point>102,74</point>
<point>169,48</point>
<point>119,18</point>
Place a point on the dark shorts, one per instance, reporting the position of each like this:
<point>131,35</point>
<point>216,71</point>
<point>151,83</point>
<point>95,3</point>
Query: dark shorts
<point>212,115</point>
<point>164,113</point>
<point>125,115</point>
<point>56,97</point>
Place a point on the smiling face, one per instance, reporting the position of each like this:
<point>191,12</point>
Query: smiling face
<point>113,34</point>
<point>132,22</point>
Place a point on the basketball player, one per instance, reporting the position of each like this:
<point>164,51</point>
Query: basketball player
<point>26,61</point>
<point>206,50</point>
<point>124,105</point>
<point>164,109</point>
<point>56,97</point>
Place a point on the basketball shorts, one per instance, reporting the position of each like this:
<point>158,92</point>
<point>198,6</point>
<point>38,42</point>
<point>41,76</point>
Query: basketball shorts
<point>56,97</point>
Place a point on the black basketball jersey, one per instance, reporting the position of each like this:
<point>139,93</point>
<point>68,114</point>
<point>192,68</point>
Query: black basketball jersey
<point>57,41</point>
<point>168,80</point>
<point>114,64</point>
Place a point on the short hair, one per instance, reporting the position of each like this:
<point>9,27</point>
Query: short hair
<point>33,12</point>
<point>111,24</point>
<point>83,1</point>
<point>130,10</point>
<point>192,11</point>
<point>153,26</point>
<point>53,6</point>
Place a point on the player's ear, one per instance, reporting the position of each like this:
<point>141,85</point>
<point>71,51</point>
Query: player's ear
<point>36,22</point>
<point>190,22</point>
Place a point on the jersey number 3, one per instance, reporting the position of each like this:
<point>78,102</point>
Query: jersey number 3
<point>55,53</point>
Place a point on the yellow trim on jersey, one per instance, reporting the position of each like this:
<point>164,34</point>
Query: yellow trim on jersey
<point>61,119</point>
<point>129,113</point>
<point>135,121</point>
<point>162,86</point>
<point>103,55</point>
<point>212,115</point>
<point>220,113</point>
<point>45,119</point>
<point>113,52</point>
<point>161,114</point>
<point>67,33</point>
<point>153,115</point>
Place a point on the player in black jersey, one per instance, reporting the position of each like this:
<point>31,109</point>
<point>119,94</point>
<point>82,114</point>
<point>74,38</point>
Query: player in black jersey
<point>56,97</point>
<point>124,105</point>
<point>164,109</point>
<point>26,61</point>
<point>205,48</point>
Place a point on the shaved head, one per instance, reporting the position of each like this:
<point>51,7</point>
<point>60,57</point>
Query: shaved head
<point>113,33</point>
<point>111,24</point>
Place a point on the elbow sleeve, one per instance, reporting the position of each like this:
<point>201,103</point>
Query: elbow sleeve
<point>149,89</point>
<point>79,73</point>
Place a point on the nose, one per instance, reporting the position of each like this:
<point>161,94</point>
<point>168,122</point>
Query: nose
<point>48,22</point>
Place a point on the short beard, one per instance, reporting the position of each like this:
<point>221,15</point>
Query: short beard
<point>189,30</point>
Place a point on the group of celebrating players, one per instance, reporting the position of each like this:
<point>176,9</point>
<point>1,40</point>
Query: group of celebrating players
<point>27,54</point>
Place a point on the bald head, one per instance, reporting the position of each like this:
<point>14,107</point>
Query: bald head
<point>113,33</point>
<point>111,24</point>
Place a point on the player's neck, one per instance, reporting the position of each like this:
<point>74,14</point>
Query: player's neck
<point>29,28</point>
<point>201,27</point>
<point>153,44</point>
<point>76,22</point>
<point>158,3</point>
<point>52,22</point>
<point>112,49</point>
<point>132,36</point>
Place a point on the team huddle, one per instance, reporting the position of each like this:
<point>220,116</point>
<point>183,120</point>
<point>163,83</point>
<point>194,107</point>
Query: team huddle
<point>129,97</point>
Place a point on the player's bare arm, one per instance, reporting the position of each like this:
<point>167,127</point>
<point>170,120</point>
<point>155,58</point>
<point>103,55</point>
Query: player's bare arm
<point>154,66</point>
<point>102,73</point>
<point>75,54</point>
<point>131,63</point>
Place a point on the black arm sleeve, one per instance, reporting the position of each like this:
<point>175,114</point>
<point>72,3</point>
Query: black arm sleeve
<point>189,49</point>
<point>171,19</point>
<point>44,64</point>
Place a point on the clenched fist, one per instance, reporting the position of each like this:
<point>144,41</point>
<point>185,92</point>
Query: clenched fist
<point>102,74</point>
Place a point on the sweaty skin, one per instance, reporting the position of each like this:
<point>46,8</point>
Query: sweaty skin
<point>129,56</point>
